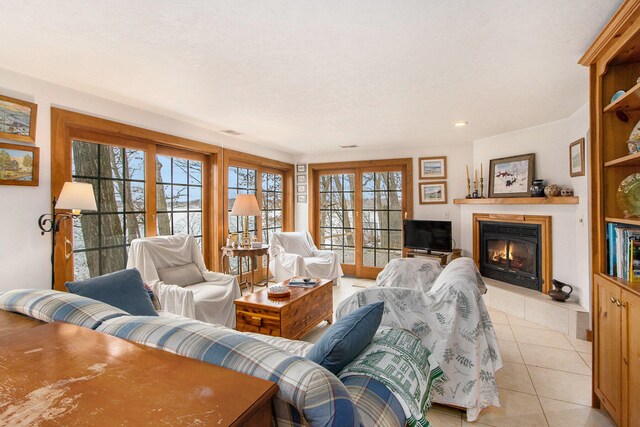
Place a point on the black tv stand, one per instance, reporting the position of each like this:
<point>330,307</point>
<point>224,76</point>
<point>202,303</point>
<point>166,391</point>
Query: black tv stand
<point>442,257</point>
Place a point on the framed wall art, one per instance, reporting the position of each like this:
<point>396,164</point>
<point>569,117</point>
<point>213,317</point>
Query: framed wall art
<point>433,167</point>
<point>302,198</point>
<point>511,176</point>
<point>301,179</point>
<point>19,165</point>
<point>301,168</point>
<point>17,119</point>
<point>576,158</point>
<point>302,189</point>
<point>433,193</point>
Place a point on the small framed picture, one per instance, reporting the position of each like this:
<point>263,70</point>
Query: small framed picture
<point>302,198</point>
<point>301,179</point>
<point>18,119</point>
<point>433,193</point>
<point>511,176</point>
<point>301,168</point>
<point>19,165</point>
<point>302,189</point>
<point>576,158</point>
<point>433,167</point>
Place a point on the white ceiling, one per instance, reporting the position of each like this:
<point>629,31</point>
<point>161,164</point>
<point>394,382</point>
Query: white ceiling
<point>307,76</point>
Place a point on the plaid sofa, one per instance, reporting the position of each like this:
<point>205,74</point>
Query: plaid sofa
<point>308,394</point>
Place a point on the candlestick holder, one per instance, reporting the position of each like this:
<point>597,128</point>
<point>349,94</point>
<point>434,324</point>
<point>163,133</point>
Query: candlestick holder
<point>481,187</point>
<point>468,189</point>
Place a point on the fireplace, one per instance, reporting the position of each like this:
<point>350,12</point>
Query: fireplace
<point>512,253</point>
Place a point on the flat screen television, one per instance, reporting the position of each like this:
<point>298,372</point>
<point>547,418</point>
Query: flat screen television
<point>427,235</point>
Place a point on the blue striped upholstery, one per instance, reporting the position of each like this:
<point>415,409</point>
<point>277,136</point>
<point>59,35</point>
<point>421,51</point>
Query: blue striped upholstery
<point>375,402</point>
<point>308,393</point>
<point>50,306</point>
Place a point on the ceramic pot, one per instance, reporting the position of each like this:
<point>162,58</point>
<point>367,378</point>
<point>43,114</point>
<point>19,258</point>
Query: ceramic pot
<point>557,293</point>
<point>566,192</point>
<point>537,188</point>
<point>552,190</point>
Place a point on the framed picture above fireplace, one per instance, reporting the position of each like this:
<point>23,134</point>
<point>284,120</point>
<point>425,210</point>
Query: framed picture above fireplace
<point>511,176</point>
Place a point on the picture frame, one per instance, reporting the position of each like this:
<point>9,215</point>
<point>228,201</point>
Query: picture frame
<point>301,168</point>
<point>301,189</point>
<point>302,198</point>
<point>301,179</point>
<point>18,119</point>
<point>15,168</point>
<point>433,193</point>
<point>433,167</point>
<point>511,176</point>
<point>576,158</point>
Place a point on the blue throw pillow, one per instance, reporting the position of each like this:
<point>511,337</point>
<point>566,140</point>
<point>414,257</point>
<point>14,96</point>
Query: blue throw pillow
<point>123,289</point>
<point>346,338</point>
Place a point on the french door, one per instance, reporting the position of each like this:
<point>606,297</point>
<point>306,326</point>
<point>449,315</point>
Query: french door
<point>357,212</point>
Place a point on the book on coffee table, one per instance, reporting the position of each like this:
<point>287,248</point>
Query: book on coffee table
<point>303,282</point>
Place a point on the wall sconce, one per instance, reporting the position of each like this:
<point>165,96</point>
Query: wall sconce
<point>76,197</point>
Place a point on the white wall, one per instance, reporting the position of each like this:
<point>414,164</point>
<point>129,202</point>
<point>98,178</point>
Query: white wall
<point>24,253</point>
<point>457,157</point>
<point>570,234</point>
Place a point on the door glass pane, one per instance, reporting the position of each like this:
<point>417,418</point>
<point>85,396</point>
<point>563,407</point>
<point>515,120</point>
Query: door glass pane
<point>240,181</point>
<point>271,205</point>
<point>179,196</point>
<point>337,214</point>
<point>381,217</point>
<point>101,239</point>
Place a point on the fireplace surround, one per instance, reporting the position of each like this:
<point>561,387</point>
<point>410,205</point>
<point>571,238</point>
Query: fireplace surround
<point>514,248</point>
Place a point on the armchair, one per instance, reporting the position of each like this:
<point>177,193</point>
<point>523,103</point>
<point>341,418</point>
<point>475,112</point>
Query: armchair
<point>294,254</point>
<point>174,268</point>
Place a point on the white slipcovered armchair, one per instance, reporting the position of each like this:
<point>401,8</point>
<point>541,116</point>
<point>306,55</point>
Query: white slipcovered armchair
<point>174,268</point>
<point>294,254</point>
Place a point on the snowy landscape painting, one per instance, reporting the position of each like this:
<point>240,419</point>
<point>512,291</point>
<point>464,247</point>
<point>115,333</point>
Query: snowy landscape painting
<point>511,176</point>
<point>17,119</point>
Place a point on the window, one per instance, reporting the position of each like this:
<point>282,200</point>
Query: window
<point>240,181</point>
<point>101,239</point>
<point>179,196</point>
<point>337,225</point>
<point>271,204</point>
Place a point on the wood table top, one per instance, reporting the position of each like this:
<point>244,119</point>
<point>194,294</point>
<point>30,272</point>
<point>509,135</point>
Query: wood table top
<point>63,374</point>
<point>261,298</point>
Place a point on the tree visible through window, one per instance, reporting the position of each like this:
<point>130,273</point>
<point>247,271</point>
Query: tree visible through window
<point>271,205</point>
<point>337,227</point>
<point>240,181</point>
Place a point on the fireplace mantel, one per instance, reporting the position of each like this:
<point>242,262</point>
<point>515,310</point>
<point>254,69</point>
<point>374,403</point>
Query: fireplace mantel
<point>519,201</point>
<point>545,232</point>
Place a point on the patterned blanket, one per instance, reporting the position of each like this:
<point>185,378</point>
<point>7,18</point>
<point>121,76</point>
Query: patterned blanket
<point>398,360</point>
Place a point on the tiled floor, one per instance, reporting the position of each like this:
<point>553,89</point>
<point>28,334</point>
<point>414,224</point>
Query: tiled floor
<point>546,379</point>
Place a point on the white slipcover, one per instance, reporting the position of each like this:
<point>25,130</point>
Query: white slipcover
<point>294,254</point>
<point>211,301</point>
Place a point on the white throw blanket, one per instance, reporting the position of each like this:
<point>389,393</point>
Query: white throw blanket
<point>452,321</point>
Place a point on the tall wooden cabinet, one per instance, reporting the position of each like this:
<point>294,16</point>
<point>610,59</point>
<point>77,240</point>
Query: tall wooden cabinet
<point>614,63</point>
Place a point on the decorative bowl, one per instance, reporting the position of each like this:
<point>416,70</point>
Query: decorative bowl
<point>552,190</point>
<point>619,94</point>
<point>278,291</point>
<point>628,196</point>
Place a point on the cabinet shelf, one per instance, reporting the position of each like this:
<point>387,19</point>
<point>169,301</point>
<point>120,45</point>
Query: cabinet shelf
<point>629,160</point>
<point>628,221</point>
<point>519,201</point>
<point>630,286</point>
<point>628,102</point>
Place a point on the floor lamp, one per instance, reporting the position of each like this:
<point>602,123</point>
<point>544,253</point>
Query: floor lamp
<point>74,197</point>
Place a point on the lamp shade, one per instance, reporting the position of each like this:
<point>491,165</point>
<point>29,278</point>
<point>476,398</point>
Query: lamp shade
<point>246,205</point>
<point>77,196</point>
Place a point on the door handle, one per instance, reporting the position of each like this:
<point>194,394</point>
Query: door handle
<point>67,243</point>
<point>612,299</point>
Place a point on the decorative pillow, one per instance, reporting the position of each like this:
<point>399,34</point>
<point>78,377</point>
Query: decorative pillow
<point>347,338</point>
<point>123,289</point>
<point>185,275</point>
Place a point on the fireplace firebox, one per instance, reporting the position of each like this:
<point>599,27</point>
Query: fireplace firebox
<point>511,252</point>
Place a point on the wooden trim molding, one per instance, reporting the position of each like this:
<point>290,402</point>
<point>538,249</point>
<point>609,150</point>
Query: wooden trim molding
<point>545,230</point>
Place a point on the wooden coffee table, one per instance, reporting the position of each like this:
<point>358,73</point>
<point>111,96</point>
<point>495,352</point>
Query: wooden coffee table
<point>288,317</point>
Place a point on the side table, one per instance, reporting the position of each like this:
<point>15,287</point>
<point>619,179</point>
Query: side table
<point>241,253</point>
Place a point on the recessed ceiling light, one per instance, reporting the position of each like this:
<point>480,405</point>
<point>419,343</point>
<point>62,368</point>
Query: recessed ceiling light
<point>460,124</point>
<point>349,146</point>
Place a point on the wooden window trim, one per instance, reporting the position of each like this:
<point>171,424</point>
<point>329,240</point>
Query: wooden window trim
<point>67,125</point>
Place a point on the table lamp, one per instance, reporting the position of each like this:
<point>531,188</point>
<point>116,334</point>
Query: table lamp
<point>76,197</point>
<point>246,205</point>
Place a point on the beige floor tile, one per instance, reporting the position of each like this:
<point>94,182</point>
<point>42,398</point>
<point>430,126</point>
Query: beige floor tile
<point>498,317</point>
<point>517,410</point>
<point>554,358</point>
<point>314,335</point>
<point>447,410</point>
<point>518,321</point>
<point>475,424</point>
<point>540,337</point>
<point>588,359</point>
<point>563,414</point>
<point>565,386</point>
<point>582,346</point>
<point>440,419</point>
<point>504,333</point>
<point>515,377</point>
<point>510,351</point>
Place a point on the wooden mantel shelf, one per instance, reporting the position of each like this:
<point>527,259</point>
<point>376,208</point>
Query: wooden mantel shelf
<point>519,201</point>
